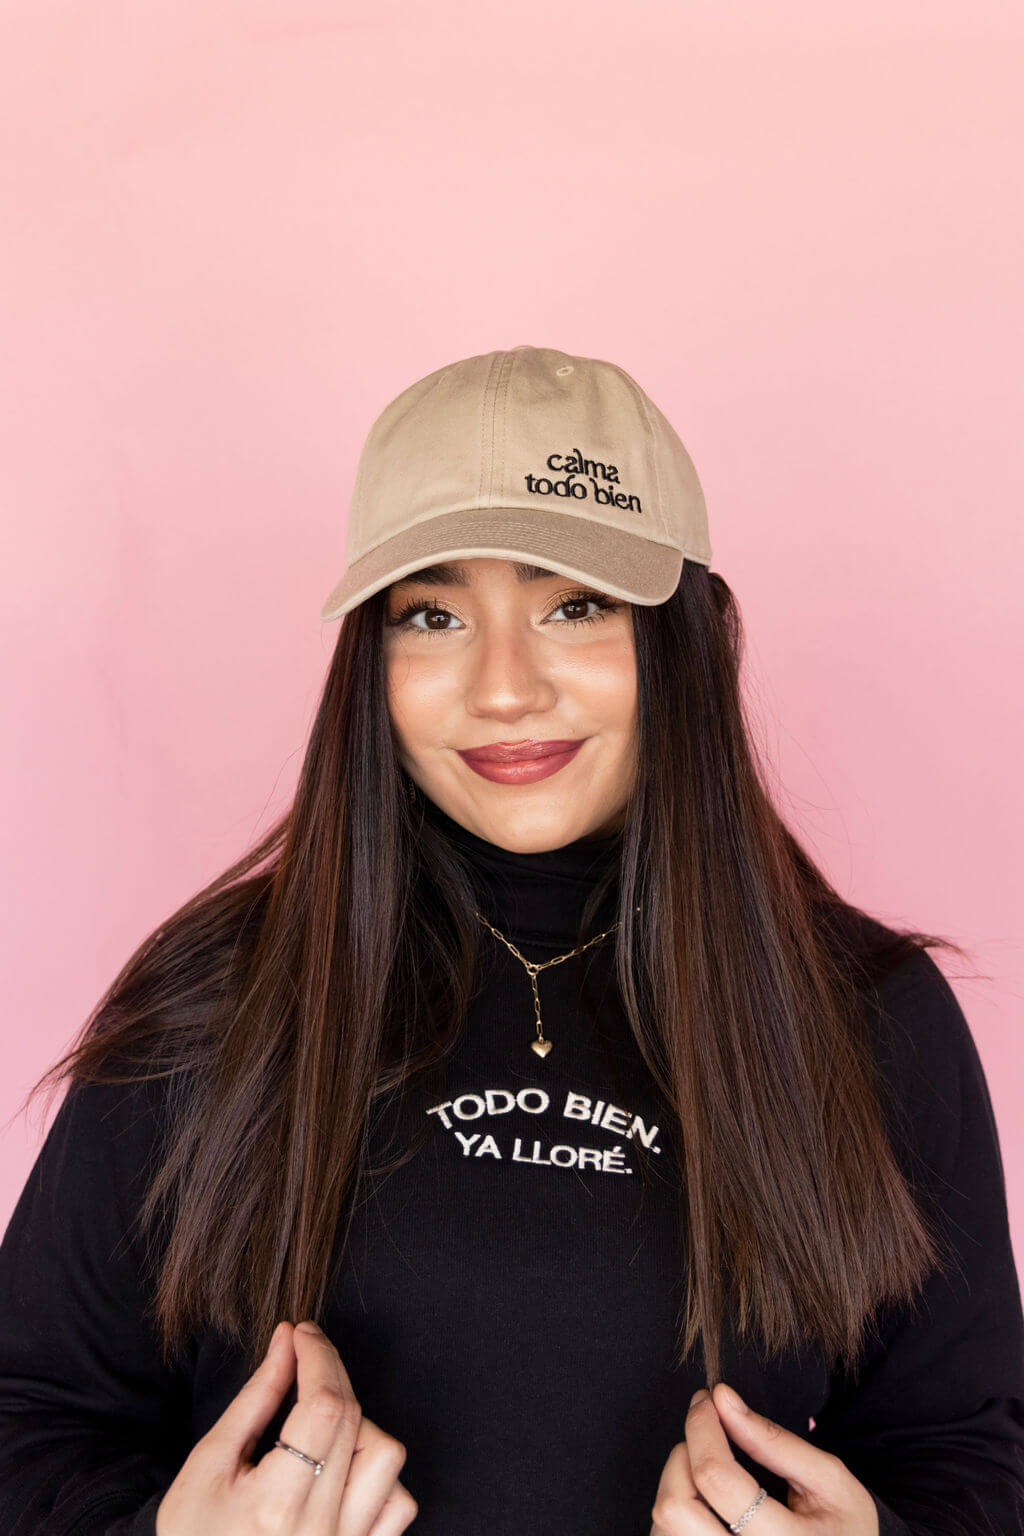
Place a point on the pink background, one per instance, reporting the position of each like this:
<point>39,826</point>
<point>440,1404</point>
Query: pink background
<point>231,232</point>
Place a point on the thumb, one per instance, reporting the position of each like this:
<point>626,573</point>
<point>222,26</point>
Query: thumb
<point>236,1433</point>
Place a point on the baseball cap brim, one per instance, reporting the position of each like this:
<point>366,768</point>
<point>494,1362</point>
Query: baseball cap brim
<point>620,563</point>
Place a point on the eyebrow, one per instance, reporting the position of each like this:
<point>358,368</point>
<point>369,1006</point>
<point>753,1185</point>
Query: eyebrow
<point>457,576</point>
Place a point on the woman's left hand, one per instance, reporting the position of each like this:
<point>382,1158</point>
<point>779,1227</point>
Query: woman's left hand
<point>703,1481</point>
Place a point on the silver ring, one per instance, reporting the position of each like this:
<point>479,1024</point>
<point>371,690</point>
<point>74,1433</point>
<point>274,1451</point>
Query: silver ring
<point>317,1466</point>
<point>737,1525</point>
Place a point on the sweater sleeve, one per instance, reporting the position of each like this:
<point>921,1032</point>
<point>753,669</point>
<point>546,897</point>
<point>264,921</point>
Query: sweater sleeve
<point>93,1426</point>
<point>932,1422</point>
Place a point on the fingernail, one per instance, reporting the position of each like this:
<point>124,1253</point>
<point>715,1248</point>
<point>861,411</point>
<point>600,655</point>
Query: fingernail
<point>699,1396</point>
<point>308,1327</point>
<point>733,1399</point>
<point>274,1338</point>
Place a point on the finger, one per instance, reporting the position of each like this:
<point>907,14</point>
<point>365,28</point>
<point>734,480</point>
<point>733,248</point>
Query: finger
<point>323,1423</point>
<point>679,1508</point>
<point>816,1476</point>
<point>399,1511</point>
<point>728,1488</point>
<point>234,1436</point>
<point>372,1501</point>
<point>377,1459</point>
<point>361,1492</point>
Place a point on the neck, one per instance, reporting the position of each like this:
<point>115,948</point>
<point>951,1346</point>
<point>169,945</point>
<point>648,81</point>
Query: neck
<point>538,897</point>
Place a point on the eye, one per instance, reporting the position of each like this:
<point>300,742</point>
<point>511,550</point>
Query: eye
<point>578,599</point>
<point>403,619</point>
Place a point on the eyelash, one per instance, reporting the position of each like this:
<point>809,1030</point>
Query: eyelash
<point>404,615</point>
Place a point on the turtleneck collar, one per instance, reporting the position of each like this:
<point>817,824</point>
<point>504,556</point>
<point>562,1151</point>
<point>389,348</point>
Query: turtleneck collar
<point>537,897</point>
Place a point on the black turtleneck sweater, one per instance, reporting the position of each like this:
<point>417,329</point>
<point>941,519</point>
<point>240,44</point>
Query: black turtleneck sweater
<point>508,1301</point>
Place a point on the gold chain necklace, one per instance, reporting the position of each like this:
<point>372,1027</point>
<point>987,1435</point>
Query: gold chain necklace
<point>540,1045</point>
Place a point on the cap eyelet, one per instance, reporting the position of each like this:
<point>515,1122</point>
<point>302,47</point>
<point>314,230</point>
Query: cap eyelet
<point>568,368</point>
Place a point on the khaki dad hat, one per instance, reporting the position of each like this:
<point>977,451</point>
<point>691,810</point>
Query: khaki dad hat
<point>529,454</point>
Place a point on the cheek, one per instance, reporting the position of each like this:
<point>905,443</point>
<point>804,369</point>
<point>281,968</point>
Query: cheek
<point>624,690</point>
<point>419,697</point>
<point>605,685</point>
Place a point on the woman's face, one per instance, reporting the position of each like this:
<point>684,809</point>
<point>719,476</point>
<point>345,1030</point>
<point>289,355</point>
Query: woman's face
<point>488,650</point>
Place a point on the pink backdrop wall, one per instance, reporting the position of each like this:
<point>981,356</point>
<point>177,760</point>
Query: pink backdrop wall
<point>231,232</point>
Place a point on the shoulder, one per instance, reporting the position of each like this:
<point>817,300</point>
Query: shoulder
<point>923,1026</point>
<point>105,1141</point>
<point>930,1074</point>
<point>130,1094</point>
<point>924,1037</point>
<point>917,1020</point>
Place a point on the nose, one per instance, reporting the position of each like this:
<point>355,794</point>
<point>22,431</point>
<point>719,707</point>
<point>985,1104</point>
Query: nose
<point>505,678</point>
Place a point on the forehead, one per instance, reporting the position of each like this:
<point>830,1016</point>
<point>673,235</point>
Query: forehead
<point>458,576</point>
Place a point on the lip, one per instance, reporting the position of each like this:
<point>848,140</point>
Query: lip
<point>518,752</point>
<point>522,763</point>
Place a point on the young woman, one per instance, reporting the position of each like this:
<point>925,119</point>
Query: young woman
<point>532,1056</point>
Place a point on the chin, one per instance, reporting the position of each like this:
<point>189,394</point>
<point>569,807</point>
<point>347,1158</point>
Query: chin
<point>519,835</point>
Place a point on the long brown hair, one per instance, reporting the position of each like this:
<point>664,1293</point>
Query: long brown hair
<point>337,958</point>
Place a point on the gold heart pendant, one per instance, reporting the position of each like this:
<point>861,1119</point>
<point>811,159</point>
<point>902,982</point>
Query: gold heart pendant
<point>541,1047</point>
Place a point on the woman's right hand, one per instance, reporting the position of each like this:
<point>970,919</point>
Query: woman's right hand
<point>357,1492</point>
